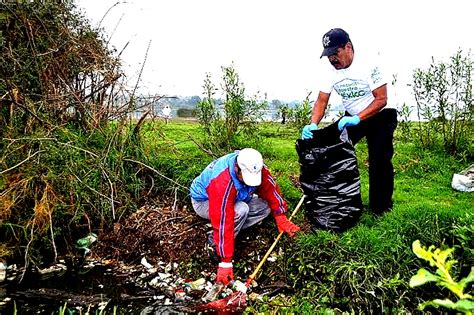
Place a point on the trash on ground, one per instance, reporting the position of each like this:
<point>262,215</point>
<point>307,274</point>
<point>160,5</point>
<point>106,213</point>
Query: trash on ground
<point>3,271</point>
<point>239,286</point>
<point>56,269</point>
<point>464,181</point>
<point>213,292</point>
<point>196,284</point>
<point>86,242</point>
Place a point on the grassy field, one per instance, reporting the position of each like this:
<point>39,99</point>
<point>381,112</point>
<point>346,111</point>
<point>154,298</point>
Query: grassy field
<point>366,269</point>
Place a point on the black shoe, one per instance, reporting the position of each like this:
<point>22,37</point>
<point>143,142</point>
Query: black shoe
<point>211,248</point>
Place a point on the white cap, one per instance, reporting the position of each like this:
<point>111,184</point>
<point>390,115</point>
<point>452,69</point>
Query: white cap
<point>250,162</point>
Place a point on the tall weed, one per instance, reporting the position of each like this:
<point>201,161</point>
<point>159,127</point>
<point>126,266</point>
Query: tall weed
<point>233,123</point>
<point>445,107</point>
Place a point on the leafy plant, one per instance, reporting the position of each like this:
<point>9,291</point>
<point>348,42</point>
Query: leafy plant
<point>440,259</point>
<point>300,115</point>
<point>226,124</point>
<point>444,101</point>
<point>206,109</point>
<point>404,113</point>
<point>55,68</point>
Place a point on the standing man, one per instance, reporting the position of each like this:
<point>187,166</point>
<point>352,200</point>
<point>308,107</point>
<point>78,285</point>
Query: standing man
<point>166,113</point>
<point>237,191</point>
<point>363,88</point>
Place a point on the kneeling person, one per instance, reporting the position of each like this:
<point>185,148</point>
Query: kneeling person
<point>235,192</point>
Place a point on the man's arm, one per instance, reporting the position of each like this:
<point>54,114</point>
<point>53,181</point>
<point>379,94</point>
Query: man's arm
<point>222,194</point>
<point>320,107</point>
<point>380,95</point>
<point>270,192</point>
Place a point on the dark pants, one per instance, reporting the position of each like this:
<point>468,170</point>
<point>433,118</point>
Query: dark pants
<point>378,130</point>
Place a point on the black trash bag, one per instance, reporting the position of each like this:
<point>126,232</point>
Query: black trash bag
<point>330,179</point>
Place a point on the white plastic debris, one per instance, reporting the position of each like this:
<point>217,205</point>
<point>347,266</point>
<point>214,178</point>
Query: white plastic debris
<point>154,282</point>
<point>3,271</point>
<point>146,264</point>
<point>462,183</point>
<point>163,276</point>
<point>5,301</point>
<point>240,286</point>
<point>273,257</point>
<point>464,180</point>
<point>57,268</point>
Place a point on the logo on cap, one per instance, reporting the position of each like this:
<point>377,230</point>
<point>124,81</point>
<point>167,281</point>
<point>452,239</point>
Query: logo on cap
<point>326,41</point>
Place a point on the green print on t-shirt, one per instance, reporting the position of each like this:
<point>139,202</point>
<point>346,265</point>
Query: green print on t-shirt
<point>350,90</point>
<point>352,94</point>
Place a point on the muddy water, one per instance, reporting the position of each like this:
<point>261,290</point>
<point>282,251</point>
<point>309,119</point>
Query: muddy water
<point>83,290</point>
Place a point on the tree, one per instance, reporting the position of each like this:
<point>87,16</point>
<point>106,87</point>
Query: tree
<point>239,114</point>
<point>54,67</point>
<point>443,94</point>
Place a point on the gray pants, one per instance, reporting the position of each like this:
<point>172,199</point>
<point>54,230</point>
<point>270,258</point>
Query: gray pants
<point>246,214</point>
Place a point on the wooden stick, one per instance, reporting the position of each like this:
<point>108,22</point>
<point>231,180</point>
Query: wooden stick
<point>254,274</point>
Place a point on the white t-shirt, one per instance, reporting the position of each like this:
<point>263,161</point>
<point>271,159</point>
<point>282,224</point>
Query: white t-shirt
<point>355,83</point>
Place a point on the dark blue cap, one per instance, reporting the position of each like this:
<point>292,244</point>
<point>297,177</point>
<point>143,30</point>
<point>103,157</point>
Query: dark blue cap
<point>334,39</point>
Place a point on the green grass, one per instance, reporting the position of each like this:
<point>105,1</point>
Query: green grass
<point>367,268</point>
<point>363,270</point>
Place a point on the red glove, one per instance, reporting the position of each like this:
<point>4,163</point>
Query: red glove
<point>225,273</point>
<point>285,225</point>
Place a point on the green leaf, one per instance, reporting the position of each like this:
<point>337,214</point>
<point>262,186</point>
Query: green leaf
<point>442,256</point>
<point>445,303</point>
<point>468,279</point>
<point>420,252</point>
<point>422,276</point>
<point>455,287</point>
<point>464,305</point>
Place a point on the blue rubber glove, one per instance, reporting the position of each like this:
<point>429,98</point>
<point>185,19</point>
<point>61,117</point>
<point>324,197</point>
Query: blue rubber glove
<point>306,133</point>
<point>348,121</point>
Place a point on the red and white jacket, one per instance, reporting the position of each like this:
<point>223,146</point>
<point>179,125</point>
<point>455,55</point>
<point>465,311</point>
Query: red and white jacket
<point>219,184</point>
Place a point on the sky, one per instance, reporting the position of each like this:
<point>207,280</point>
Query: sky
<point>274,45</point>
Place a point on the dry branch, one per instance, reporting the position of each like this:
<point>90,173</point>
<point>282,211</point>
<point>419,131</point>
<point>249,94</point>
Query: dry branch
<point>25,160</point>
<point>152,169</point>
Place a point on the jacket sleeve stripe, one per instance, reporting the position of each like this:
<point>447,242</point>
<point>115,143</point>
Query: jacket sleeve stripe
<point>222,231</point>
<point>281,209</point>
<point>272,181</point>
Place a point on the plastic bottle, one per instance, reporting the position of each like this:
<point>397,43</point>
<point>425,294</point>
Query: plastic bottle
<point>213,294</point>
<point>87,241</point>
